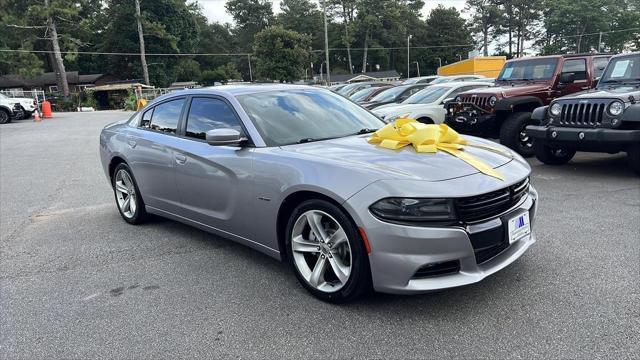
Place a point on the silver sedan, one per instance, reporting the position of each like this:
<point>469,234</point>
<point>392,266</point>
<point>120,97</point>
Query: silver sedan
<point>288,171</point>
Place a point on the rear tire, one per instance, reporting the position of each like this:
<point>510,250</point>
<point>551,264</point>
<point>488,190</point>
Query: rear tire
<point>513,133</point>
<point>633,153</point>
<point>339,246</point>
<point>5,117</point>
<point>128,198</point>
<point>552,155</point>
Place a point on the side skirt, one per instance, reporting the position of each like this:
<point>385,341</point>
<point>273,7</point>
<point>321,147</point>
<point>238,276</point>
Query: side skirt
<point>227,235</point>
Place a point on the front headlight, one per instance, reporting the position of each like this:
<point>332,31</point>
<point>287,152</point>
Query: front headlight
<point>414,210</point>
<point>555,109</point>
<point>616,108</point>
<point>457,98</point>
<point>492,101</point>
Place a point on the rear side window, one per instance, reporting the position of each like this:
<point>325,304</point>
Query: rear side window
<point>165,116</point>
<point>599,64</point>
<point>576,66</point>
<point>207,114</point>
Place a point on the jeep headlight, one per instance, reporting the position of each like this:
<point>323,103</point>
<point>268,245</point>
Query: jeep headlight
<point>414,210</point>
<point>457,98</point>
<point>616,108</point>
<point>555,109</point>
<point>492,101</point>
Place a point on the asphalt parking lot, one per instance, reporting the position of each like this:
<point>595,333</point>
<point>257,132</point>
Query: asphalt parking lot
<point>76,281</point>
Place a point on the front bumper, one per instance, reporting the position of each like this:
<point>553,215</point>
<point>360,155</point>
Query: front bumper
<point>583,135</point>
<point>399,251</point>
<point>472,121</point>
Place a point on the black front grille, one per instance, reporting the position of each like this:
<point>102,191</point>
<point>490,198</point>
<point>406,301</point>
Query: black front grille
<point>479,101</point>
<point>576,114</point>
<point>485,206</point>
<point>437,269</point>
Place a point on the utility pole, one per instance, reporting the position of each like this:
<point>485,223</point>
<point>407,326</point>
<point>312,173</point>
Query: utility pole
<point>326,41</point>
<point>143,59</point>
<point>600,42</point>
<point>408,39</point>
<point>250,73</point>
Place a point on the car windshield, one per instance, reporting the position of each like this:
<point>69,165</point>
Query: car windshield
<point>361,94</point>
<point>305,115</point>
<point>389,94</point>
<point>622,70</point>
<point>428,95</point>
<point>532,69</point>
<point>347,89</point>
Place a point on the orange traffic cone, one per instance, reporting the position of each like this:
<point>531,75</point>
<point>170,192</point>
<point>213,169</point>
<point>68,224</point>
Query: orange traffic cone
<point>37,116</point>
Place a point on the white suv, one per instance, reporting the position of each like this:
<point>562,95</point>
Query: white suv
<point>27,105</point>
<point>9,110</point>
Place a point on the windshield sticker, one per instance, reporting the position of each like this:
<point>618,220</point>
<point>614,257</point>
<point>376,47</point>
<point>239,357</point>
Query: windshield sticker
<point>620,69</point>
<point>507,72</point>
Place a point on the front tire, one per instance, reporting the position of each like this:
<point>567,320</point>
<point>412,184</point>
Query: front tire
<point>326,252</point>
<point>513,133</point>
<point>551,155</point>
<point>633,153</point>
<point>128,198</point>
<point>5,117</point>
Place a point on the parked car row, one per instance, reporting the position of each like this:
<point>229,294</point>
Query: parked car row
<point>547,106</point>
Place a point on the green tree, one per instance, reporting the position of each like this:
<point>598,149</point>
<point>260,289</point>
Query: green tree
<point>169,28</point>
<point>281,54</point>
<point>250,16</point>
<point>485,16</point>
<point>221,74</point>
<point>446,27</point>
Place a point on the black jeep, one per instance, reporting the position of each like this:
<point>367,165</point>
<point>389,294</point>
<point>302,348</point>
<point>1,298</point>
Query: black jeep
<point>605,119</point>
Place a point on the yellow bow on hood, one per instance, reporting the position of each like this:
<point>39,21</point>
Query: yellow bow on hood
<point>429,138</point>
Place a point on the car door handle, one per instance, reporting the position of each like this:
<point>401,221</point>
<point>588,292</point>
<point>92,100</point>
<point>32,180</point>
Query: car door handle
<point>181,159</point>
<point>131,141</point>
<point>585,88</point>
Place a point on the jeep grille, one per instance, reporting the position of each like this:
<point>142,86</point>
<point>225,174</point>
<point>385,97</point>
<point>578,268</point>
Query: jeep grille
<point>580,115</point>
<point>479,101</point>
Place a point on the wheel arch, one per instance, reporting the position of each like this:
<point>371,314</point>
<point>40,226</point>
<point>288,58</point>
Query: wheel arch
<point>289,204</point>
<point>518,104</point>
<point>115,161</point>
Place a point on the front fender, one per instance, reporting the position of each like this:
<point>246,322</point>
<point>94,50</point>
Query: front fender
<point>632,114</point>
<point>507,104</point>
<point>540,113</point>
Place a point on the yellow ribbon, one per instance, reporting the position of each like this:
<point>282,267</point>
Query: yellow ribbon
<point>429,138</point>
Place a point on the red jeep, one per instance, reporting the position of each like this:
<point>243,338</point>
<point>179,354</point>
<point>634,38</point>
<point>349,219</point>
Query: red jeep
<point>524,84</point>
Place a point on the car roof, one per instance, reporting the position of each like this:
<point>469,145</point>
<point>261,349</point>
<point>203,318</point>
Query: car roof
<point>460,83</point>
<point>240,89</point>
<point>636,53</point>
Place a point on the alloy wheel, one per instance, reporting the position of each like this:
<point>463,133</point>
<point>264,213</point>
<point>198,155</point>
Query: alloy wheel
<point>125,194</point>
<point>321,251</point>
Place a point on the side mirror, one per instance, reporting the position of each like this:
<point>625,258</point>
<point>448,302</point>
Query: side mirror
<point>446,100</point>
<point>567,78</point>
<point>224,137</point>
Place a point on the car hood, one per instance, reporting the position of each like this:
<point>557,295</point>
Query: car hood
<point>354,152</point>
<point>618,92</point>
<point>398,109</point>
<point>508,91</point>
